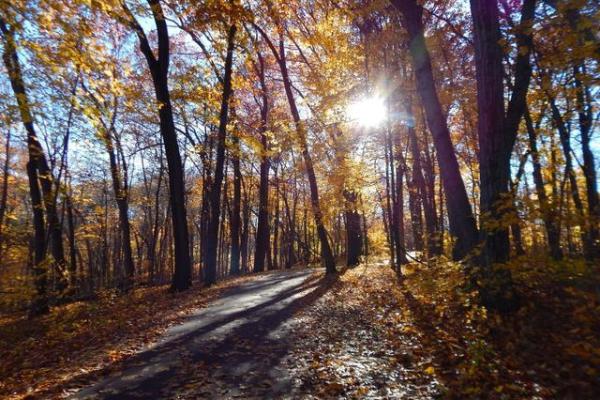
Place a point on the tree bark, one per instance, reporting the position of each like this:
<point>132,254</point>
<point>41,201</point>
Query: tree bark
<point>497,133</point>
<point>39,305</point>
<point>4,195</point>
<point>262,231</point>
<point>235,224</point>
<point>215,191</point>
<point>326,253</point>
<point>159,69</point>
<point>37,156</point>
<point>354,237</point>
<point>460,214</point>
<point>584,111</point>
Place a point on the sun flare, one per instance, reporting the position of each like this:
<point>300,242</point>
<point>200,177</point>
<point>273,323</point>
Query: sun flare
<point>368,112</point>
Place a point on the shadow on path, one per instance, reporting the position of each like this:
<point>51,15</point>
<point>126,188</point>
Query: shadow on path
<point>235,347</point>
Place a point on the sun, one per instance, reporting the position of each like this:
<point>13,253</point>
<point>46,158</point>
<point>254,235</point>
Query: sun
<point>368,112</point>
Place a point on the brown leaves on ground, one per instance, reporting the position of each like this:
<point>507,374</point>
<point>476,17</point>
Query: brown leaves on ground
<point>367,335</point>
<point>355,342</point>
<point>79,339</point>
<point>373,336</point>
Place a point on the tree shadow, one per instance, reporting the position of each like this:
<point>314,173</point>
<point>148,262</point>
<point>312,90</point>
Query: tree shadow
<point>213,356</point>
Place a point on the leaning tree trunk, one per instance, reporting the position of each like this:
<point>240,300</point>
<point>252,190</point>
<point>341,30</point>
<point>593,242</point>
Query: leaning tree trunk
<point>326,253</point>
<point>460,214</point>
<point>37,155</point>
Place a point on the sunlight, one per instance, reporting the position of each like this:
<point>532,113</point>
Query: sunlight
<point>368,112</point>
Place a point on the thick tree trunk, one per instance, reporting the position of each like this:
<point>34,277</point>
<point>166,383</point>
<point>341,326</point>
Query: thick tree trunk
<point>354,239</point>
<point>497,133</point>
<point>460,215</point>
<point>493,163</point>
<point>262,231</point>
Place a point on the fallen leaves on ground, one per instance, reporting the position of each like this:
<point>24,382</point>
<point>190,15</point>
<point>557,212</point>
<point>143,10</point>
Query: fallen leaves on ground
<point>363,334</point>
<point>374,336</point>
<point>86,337</point>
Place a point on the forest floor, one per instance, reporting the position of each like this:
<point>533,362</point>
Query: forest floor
<point>300,334</point>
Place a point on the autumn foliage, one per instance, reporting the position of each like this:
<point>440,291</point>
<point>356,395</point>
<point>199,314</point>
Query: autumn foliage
<point>154,145</point>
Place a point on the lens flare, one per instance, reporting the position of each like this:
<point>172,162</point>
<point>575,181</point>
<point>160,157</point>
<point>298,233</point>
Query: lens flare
<point>368,112</point>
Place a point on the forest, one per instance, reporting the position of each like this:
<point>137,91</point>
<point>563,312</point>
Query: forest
<point>337,199</point>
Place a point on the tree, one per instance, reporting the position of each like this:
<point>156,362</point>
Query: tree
<point>159,69</point>
<point>40,181</point>
<point>326,253</point>
<point>460,214</point>
<point>262,231</point>
<point>215,191</point>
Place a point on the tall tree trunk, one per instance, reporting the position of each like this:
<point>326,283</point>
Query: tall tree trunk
<point>399,207</point>
<point>245,231</point>
<point>159,69</point>
<point>388,212</point>
<point>326,253</point>
<point>565,141</point>
<point>419,191</point>
<point>235,225</point>
<point>215,191</point>
<point>432,227</point>
<point>262,231</point>
<point>4,194</point>
<point>497,133</point>
<point>460,214</point>
<point>37,155</point>
<point>584,111</point>
<point>275,257</point>
<point>122,198</point>
<point>71,238</point>
<point>39,305</point>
